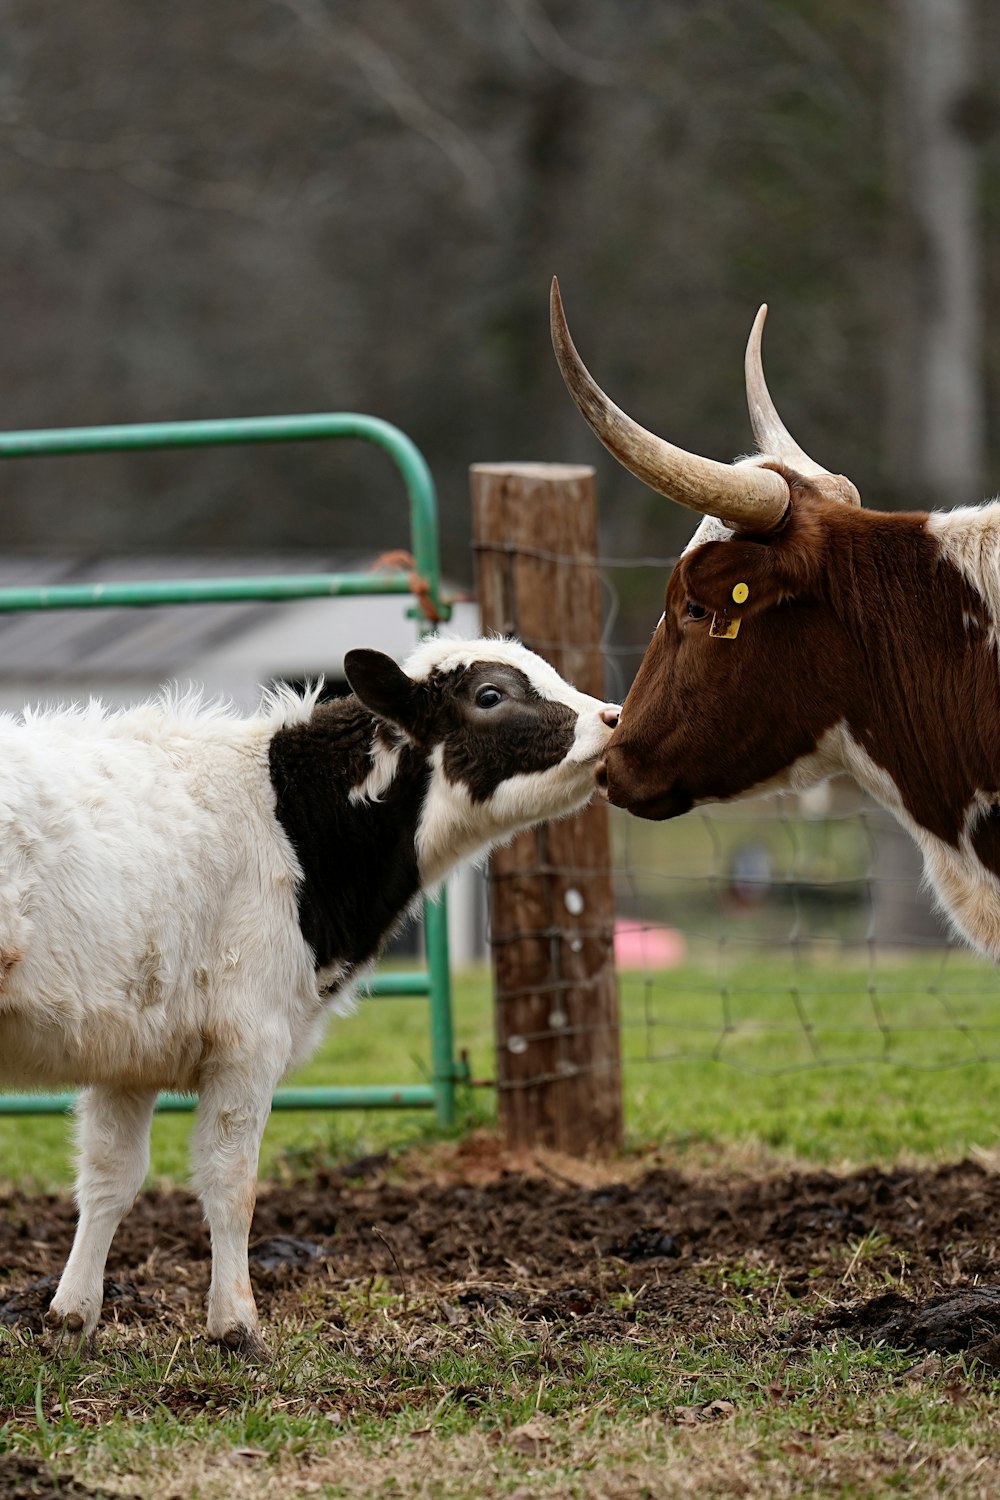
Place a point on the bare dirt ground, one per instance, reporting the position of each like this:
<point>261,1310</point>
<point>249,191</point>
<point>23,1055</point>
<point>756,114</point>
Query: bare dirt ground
<point>480,1234</point>
<point>907,1257</point>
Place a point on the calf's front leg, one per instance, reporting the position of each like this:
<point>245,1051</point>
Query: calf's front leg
<point>113,1138</point>
<point>232,1112</point>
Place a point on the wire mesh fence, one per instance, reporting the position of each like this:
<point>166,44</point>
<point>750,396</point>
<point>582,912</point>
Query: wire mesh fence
<point>781,933</point>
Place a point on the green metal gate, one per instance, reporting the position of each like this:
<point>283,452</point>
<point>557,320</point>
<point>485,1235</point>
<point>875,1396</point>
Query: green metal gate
<point>434,982</point>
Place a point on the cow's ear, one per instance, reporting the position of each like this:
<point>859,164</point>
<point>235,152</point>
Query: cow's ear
<point>383,687</point>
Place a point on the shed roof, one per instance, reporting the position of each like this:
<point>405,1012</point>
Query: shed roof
<point>156,640</point>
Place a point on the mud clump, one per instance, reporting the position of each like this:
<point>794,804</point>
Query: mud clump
<point>26,1478</point>
<point>965,1320</point>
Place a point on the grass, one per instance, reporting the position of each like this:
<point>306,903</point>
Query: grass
<point>404,1402</point>
<point>815,1056</point>
<point>493,1409</point>
<point>807,1055</point>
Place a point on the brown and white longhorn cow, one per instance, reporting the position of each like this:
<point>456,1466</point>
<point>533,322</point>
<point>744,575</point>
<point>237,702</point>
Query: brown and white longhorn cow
<point>803,636</point>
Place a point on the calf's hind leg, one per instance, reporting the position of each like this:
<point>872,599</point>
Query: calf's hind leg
<point>113,1138</point>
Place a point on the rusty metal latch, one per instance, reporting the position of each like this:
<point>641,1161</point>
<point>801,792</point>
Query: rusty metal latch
<point>419,586</point>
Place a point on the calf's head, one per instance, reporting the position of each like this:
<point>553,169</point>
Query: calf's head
<point>751,662</point>
<point>507,742</point>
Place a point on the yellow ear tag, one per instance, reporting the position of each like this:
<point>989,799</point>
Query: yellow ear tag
<point>724,628</point>
<point>741,594</point>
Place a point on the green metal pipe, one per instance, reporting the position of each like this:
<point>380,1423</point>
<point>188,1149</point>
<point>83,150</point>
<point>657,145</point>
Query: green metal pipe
<point>200,591</point>
<point>402,982</point>
<point>377,1096</point>
<point>374,1096</point>
<point>308,427</point>
<point>443,1070</point>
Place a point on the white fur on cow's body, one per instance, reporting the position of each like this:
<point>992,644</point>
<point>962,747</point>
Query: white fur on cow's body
<point>969,537</point>
<point>150,938</point>
<point>968,893</point>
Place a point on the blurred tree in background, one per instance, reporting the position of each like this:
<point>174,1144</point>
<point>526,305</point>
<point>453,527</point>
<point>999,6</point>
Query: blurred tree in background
<point>292,205</point>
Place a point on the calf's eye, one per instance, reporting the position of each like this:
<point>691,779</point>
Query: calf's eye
<point>488,697</point>
<point>696,611</point>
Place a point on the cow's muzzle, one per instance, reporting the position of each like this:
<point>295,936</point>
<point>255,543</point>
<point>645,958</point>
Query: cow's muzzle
<point>634,793</point>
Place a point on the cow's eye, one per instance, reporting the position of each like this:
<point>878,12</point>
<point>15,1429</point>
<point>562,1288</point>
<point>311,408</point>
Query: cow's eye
<point>488,696</point>
<point>696,611</point>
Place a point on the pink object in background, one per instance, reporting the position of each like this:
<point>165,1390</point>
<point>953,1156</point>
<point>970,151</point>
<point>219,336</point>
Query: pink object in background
<point>640,946</point>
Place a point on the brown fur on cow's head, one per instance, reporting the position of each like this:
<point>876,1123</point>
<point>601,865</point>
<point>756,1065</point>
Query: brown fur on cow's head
<point>699,722</point>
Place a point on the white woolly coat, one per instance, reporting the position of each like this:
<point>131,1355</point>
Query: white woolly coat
<point>147,896</point>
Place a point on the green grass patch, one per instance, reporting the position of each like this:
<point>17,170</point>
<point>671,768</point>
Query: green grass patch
<point>499,1408</point>
<point>808,1054</point>
<point>815,1055</point>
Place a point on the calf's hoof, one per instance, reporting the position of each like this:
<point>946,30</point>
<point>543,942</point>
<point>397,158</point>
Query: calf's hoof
<point>67,1333</point>
<point>247,1343</point>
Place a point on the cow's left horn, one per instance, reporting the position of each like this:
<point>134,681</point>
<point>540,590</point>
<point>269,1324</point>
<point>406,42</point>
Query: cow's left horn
<point>770,433</point>
<point>744,496</point>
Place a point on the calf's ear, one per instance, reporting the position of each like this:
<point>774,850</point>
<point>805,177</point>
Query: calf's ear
<point>383,686</point>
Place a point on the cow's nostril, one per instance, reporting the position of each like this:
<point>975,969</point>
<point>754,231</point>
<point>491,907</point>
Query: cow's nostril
<point>601,775</point>
<point>609,716</point>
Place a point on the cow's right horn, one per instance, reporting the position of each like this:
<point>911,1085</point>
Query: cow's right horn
<point>745,496</point>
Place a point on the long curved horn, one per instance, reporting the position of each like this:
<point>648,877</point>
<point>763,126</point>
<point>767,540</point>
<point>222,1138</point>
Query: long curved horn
<point>770,433</point>
<point>744,497</point>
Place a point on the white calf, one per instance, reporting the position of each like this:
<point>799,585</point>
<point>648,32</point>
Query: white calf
<point>185,895</point>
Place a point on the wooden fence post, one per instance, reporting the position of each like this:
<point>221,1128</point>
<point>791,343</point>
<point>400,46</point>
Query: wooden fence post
<point>551,904</point>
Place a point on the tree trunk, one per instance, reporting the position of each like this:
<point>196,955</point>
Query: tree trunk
<point>934,406</point>
<point>935,401</point>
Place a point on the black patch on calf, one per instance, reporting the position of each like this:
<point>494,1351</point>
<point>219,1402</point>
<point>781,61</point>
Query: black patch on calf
<point>359,863</point>
<point>524,733</point>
